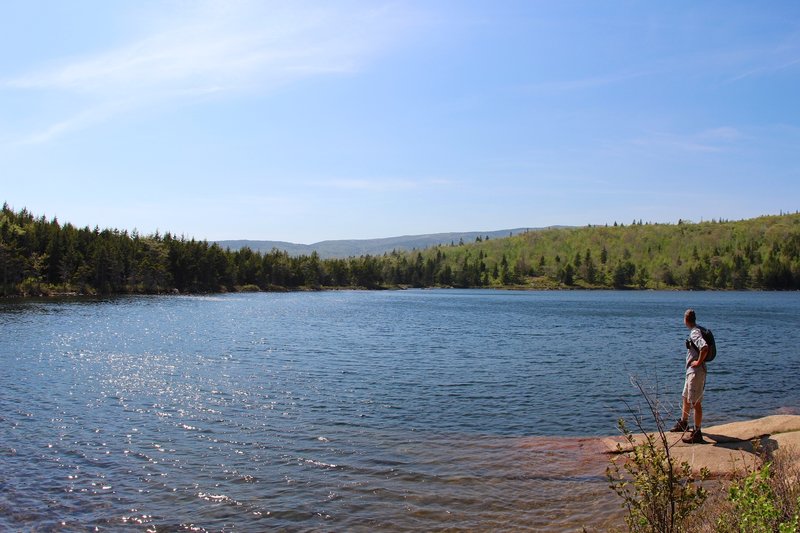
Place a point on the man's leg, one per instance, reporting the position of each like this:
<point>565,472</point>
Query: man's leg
<point>682,424</point>
<point>696,386</point>
<point>685,410</point>
<point>698,414</point>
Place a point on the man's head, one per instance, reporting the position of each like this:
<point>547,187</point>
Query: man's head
<point>689,318</point>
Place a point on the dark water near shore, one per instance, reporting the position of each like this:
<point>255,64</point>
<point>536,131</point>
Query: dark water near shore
<point>334,411</point>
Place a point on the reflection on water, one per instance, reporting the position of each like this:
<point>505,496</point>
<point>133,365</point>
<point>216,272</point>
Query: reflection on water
<point>352,411</point>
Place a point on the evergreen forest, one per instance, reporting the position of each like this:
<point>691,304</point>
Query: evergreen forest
<point>41,257</point>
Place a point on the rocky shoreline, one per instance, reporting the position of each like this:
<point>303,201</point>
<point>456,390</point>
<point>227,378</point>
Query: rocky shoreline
<point>728,448</point>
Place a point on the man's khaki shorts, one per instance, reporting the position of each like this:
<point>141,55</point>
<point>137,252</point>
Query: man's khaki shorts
<point>694,386</point>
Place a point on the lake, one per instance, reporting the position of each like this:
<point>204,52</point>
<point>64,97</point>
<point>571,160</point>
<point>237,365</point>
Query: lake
<point>356,410</point>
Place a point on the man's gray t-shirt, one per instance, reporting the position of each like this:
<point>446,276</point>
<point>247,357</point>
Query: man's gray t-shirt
<point>696,342</point>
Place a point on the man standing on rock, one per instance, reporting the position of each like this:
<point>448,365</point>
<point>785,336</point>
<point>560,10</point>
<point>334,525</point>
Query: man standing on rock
<point>696,352</point>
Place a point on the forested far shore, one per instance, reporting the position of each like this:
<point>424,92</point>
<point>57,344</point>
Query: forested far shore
<point>41,257</point>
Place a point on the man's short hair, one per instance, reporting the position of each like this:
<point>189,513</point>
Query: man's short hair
<point>690,317</point>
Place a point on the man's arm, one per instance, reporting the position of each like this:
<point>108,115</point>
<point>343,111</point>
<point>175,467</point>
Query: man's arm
<point>702,357</point>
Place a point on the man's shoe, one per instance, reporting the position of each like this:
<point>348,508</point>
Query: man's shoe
<point>695,437</point>
<point>680,426</point>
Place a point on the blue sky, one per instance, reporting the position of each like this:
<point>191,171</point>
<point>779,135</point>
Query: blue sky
<point>306,121</point>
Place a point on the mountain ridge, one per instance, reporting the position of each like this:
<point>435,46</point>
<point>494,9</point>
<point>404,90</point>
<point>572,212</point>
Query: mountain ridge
<point>343,248</point>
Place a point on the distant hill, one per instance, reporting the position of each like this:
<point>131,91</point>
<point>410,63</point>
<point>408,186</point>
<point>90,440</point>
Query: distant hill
<point>353,248</point>
<point>47,257</point>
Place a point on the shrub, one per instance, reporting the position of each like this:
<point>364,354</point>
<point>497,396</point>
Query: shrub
<point>757,507</point>
<point>248,288</point>
<point>657,494</point>
<point>660,496</point>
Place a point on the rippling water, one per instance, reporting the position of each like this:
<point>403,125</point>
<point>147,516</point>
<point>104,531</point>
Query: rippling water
<point>354,410</point>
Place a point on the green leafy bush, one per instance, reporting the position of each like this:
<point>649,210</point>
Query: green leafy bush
<point>657,494</point>
<point>755,506</point>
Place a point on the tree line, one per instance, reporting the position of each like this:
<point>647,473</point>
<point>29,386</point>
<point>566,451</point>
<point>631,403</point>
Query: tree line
<point>761,253</point>
<point>45,257</point>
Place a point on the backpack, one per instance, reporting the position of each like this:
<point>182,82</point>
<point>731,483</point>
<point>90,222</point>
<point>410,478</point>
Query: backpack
<point>712,344</point>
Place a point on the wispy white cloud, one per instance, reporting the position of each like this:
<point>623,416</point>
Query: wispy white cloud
<point>590,82</point>
<point>765,70</point>
<point>214,49</point>
<point>384,185</point>
<point>709,140</point>
<point>720,135</point>
<point>766,59</point>
<point>82,119</point>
